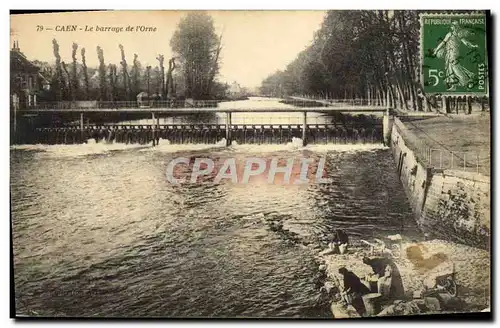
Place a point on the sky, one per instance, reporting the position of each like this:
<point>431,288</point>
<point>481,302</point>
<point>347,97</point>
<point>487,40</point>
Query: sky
<point>255,43</point>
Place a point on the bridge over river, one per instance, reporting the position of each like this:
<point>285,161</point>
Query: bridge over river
<point>257,120</point>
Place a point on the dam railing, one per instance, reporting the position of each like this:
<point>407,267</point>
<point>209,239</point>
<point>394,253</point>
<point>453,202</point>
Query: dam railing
<point>91,105</point>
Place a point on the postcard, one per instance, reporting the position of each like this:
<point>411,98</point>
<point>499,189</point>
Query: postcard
<point>250,164</point>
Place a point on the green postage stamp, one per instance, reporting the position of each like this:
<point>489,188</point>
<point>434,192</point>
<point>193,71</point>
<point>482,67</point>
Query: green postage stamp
<point>453,54</point>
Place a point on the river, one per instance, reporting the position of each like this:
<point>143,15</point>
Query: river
<point>248,118</point>
<point>99,231</point>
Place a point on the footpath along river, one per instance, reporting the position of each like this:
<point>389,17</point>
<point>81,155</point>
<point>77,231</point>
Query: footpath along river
<point>99,231</point>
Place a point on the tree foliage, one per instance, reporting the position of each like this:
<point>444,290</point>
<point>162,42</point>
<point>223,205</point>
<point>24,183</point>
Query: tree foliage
<point>74,73</point>
<point>58,80</point>
<point>369,54</point>
<point>125,77</point>
<point>85,75</point>
<point>192,72</point>
<point>198,47</point>
<point>102,74</point>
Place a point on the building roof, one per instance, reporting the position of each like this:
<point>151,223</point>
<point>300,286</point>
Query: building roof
<point>19,63</point>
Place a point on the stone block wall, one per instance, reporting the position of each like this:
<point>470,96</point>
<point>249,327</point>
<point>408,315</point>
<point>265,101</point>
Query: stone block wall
<point>448,204</point>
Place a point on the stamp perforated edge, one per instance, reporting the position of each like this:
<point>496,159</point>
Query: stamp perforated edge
<point>421,51</point>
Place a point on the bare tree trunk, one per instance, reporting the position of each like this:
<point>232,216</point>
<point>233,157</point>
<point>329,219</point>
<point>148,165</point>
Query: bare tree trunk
<point>126,84</point>
<point>368,95</point>
<point>112,81</point>
<point>85,75</point>
<point>161,59</point>
<point>402,100</point>
<point>170,91</point>
<point>74,71</point>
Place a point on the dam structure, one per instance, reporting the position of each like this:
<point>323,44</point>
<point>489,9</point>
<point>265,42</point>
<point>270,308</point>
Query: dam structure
<point>205,122</point>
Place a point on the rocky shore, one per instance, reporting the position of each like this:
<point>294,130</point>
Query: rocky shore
<point>471,267</point>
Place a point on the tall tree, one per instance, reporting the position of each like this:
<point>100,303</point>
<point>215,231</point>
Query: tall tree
<point>148,81</point>
<point>102,74</point>
<point>156,81</point>
<point>85,74</point>
<point>161,60</point>
<point>136,76</point>
<point>74,84</point>
<point>126,84</point>
<point>369,54</point>
<point>214,68</point>
<point>58,82</point>
<point>113,77</point>
<point>196,45</point>
<point>170,87</point>
<point>70,87</point>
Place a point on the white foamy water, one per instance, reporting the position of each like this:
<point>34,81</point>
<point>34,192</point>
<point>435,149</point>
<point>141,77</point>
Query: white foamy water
<point>166,147</point>
<point>91,147</point>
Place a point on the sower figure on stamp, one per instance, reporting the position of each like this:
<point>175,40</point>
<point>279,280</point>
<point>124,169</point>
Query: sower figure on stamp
<point>449,48</point>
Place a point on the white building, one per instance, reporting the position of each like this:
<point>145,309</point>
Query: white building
<point>235,89</point>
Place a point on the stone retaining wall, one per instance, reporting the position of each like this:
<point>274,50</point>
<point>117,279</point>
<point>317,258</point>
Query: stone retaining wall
<point>448,204</point>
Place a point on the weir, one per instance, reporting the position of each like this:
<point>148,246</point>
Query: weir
<point>344,128</point>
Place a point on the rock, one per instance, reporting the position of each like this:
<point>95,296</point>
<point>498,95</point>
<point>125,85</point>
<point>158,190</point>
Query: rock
<point>445,299</point>
<point>432,303</point>
<point>395,237</point>
<point>372,303</point>
<point>407,308</point>
<point>327,251</point>
<point>417,294</point>
<point>342,248</point>
<point>322,267</point>
<point>388,311</point>
<point>352,312</point>
<point>329,287</point>
<point>340,311</point>
<point>421,304</point>
<point>401,308</point>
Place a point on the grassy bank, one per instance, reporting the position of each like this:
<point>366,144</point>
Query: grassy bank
<point>467,137</point>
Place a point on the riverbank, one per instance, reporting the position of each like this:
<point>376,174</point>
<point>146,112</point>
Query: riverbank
<point>450,204</point>
<point>467,136</point>
<point>234,252</point>
<point>471,266</point>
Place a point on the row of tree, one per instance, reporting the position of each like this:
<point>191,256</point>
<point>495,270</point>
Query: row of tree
<point>367,54</point>
<point>191,73</point>
<point>77,81</point>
